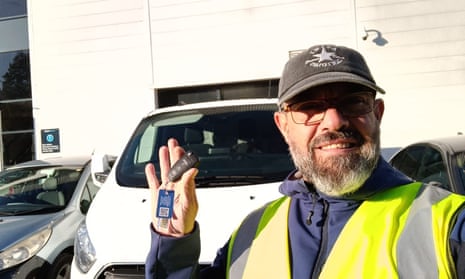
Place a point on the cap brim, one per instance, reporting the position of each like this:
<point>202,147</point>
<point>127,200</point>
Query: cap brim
<point>325,78</point>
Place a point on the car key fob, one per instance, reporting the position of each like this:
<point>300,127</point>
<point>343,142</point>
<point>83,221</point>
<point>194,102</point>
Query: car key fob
<point>187,161</point>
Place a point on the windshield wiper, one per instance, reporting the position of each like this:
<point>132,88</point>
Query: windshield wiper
<point>41,210</point>
<point>233,180</point>
<point>4,213</point>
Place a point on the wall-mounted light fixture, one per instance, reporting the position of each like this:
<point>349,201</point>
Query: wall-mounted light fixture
<point>378,40</point>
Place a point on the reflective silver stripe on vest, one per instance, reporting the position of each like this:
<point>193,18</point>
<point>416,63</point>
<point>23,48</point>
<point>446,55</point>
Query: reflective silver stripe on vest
<point>416,240</point>
<point>243,241</point>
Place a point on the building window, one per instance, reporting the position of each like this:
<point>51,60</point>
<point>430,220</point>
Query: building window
<point>16,107</point>
<point>229,91</point>
<point>12,8</point>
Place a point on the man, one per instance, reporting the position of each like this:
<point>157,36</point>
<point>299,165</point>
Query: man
<point>345,212</point>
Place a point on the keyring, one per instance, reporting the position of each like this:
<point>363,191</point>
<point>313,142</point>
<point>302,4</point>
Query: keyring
<point>164,210</point>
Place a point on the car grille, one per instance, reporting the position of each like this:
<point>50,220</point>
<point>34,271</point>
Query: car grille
<point>123,271</point>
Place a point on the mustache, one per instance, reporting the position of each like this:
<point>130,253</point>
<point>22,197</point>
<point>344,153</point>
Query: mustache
<point>337,135</point>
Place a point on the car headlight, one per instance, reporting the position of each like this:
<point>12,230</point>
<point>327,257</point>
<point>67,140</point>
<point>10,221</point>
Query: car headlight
<point>25,249</point>
<point>84,251</point>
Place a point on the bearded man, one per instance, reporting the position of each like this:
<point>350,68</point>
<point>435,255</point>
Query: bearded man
<point>345,212</point>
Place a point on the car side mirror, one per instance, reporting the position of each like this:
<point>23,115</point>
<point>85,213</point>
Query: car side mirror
<point>84,206</point>
<point>101,167</point>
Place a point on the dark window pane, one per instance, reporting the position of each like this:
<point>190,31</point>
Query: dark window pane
<point>10,8</point>
<point>16,107</point>
<point>254,89</point>
<point>16,116</point>
<point>15,77</point>
<point>17,148</point>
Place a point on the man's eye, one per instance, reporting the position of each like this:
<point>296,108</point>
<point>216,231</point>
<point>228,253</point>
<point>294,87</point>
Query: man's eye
<point>310,106</point>
<point>355,101</point>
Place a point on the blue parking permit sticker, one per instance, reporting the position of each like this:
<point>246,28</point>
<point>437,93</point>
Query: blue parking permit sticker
<point>165,204</point>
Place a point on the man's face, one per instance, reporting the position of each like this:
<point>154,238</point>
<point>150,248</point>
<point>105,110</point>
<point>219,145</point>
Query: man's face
<point>337,146</point>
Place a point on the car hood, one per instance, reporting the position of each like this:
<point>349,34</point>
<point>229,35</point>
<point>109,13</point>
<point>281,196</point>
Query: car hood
<point>118,224</point>
<point>118,221</point>
<point>16,228</point>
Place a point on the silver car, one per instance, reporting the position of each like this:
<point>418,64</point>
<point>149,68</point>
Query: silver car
<point>42,202</point>
<point>441,160</point>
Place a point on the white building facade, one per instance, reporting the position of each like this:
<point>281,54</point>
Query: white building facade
<point>96,64</point>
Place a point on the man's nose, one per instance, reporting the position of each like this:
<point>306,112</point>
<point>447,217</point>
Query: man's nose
<point>333,119</point>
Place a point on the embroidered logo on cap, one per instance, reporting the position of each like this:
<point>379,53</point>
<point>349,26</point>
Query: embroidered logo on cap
<point>323,56</point>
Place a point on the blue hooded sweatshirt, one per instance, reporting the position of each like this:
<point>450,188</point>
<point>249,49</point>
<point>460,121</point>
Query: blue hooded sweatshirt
<point>315,221</point>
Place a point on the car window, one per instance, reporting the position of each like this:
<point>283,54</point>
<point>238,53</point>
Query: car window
<point>38,189</point>
<point>422,163</point>
<point>88,194</point>
<point>238,145</point>
<point>433,168</point>
<point>460,163</point>
<point>408,160</point>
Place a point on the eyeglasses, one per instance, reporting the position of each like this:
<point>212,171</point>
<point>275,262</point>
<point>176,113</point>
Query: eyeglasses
<point>313,111</point>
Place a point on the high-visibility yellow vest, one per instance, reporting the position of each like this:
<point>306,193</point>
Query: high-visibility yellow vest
<point>399,233</point>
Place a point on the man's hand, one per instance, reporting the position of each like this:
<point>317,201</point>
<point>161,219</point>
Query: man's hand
<point>185,206</point>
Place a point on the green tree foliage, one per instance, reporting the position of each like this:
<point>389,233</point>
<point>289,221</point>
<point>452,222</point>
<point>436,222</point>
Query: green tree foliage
<point>16,81</point>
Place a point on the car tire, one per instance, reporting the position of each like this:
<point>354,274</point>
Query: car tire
<point>61,268</point>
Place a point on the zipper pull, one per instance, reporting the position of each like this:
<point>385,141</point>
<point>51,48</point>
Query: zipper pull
<point>308,221</point>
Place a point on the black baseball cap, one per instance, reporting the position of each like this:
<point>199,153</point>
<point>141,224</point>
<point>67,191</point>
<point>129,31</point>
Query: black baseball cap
<point>323,64</point>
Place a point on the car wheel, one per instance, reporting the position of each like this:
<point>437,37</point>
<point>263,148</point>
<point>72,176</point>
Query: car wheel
<point>61,268</point>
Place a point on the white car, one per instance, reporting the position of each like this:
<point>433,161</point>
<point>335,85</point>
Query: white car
<point>243,159</point>
<point>42,203</point>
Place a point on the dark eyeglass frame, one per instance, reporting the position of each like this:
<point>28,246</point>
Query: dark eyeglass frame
<point>312,112</point>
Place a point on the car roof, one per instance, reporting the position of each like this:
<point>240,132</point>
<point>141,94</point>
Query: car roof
<point>455,143</point>
<point>54,161</point>
<point>216,104</point>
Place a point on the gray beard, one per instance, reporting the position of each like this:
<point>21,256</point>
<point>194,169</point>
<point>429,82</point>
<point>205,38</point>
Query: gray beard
<point>338,175</point>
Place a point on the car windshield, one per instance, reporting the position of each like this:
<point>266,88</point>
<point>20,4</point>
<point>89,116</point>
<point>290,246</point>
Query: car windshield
<point>237,145</point>
<point>35,190</point>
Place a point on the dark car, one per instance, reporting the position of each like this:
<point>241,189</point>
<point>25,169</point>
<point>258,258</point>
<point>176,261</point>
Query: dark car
<point>441,160</point>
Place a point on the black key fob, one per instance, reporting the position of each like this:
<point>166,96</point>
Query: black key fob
<point>187,161</point>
